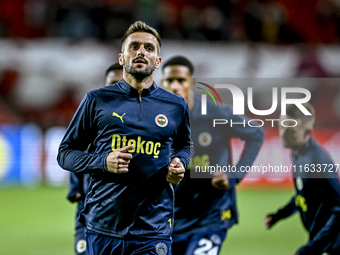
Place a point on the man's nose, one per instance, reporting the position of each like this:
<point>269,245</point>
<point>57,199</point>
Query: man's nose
<point>141,51</point>
<point>175,85</point>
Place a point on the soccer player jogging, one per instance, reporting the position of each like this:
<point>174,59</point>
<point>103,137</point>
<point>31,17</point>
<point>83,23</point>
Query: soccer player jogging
<point>140,145</point>
<point>317,197</point>
<point>206,208</point>
<point>78,184</point>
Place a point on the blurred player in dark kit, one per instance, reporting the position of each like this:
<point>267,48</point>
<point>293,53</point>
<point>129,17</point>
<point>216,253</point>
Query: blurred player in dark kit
<point>206,208</point>
<point>139,136</point>
<point>79,182</point>
<point>316,183</point>
<point>113,74</point>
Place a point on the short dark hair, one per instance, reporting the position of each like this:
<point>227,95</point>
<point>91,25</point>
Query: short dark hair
<point>114,66</point>
<point>293,111</point>
<point>179,61</point>
<point>140,26</point>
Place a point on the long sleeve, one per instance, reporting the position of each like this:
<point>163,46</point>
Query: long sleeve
<point>285,211</point>
<point>72,155</point>
<point>75,186</point>
<point>182,146</point>
<point>324,237</point>
<point>253,137</point>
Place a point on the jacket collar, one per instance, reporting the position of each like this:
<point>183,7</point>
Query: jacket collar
<point>304,148</point>
<point>133,92</point>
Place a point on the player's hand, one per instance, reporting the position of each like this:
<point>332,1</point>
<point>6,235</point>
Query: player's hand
<point>268,221</point>
<point>220,181</point>
<point>77,197</point>
<point>117,162</point>
<point>176,171</point>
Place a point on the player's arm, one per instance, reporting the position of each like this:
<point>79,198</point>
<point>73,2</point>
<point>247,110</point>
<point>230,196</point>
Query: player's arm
<point>324,237</point>
<point>331,192</point>
<point>72,155</point>
<point>253,137</point>
<point>181,149</point>
<point>221,181</point>
<point>76,191</point>
<point>289,209</point>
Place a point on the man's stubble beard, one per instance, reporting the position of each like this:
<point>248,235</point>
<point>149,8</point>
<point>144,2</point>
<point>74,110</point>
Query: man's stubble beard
<point>138,75</point>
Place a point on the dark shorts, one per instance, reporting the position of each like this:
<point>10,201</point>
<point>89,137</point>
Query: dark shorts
<point>200,243</point>
<point>99,244</point>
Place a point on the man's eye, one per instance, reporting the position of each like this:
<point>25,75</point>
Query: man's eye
<point>134,47</point>
<point>149,48</point>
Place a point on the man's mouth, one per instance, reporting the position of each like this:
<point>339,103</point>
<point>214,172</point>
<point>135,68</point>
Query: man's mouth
<point>140,61</point>
<point>288,138</point>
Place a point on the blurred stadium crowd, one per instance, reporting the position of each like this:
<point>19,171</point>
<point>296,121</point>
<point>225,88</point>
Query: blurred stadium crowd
<point>273,21</point>
<point>54,51</point>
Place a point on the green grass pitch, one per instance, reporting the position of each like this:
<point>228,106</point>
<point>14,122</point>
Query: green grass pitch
<point>249,237</point>
<point>40,221</point>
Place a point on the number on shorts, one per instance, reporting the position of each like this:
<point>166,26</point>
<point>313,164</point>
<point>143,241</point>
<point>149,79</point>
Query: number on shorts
<point>206,248</point>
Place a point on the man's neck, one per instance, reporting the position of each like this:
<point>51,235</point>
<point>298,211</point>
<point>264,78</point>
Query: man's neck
<point>296,149</point>
<point>138,84</point>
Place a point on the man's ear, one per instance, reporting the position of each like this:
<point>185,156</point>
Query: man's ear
<point>309,131</point>
<point>309,128</point>
<point>120,59</point>
<point>158,63</point>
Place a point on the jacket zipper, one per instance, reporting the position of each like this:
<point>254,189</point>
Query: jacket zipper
<point>140,107</point>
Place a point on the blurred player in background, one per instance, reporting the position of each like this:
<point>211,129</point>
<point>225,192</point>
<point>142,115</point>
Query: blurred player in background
<point>140,145</point>
<point>317,197</point>
<point>79,182</point>
<point>113,74</point>
<point>206,208</point>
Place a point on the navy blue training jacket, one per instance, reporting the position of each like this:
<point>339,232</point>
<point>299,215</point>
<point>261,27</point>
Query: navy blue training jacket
<point>317,199</point>
<point>140,202</point>
<point>199,206</point>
